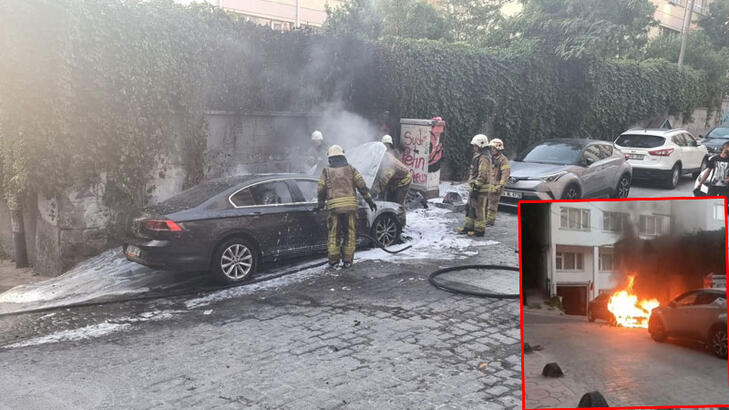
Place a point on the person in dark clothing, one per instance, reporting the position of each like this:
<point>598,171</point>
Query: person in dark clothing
<point>719,166</point>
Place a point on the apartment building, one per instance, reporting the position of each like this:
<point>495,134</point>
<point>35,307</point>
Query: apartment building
<point>278,14</point>
<point>670,15</point>
<point>568,248</point>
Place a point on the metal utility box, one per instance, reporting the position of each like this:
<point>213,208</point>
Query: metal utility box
<point>423,152</point>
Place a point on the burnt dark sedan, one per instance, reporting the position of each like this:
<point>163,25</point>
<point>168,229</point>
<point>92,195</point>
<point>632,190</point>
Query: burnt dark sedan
<point>598,309</point>
<point>230,226</point>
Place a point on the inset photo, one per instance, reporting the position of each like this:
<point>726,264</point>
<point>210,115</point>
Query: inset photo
<point>624,303</point>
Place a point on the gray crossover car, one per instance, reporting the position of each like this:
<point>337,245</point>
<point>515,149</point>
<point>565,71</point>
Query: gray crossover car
<point>568,169</point>
<point>698,314</point>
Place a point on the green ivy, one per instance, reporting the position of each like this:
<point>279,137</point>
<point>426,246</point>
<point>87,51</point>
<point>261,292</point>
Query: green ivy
<point>108,87</point>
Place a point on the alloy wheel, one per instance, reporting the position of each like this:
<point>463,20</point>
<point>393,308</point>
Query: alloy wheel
<point>719,343</point>
<point>675,176</point>
<point>386,231</point>
<point>236,261</point>
<point>623,187</point>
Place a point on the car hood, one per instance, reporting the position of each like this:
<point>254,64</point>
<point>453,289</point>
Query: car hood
<point>366,158</point>
<point>529,170</point>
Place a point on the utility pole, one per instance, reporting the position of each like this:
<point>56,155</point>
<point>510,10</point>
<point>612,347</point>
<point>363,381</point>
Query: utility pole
<point>298,13</point>
<point>685,31</point>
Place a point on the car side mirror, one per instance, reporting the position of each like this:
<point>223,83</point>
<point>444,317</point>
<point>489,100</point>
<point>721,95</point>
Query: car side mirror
<point>585,162</point>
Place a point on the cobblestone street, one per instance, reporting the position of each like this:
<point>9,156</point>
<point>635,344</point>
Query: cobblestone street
<point>625,365</point>
<point>376,336</point>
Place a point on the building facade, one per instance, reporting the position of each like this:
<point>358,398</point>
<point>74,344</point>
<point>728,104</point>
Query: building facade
<point>278,14</point>
<point>577,256</point>
<point>670,15</point>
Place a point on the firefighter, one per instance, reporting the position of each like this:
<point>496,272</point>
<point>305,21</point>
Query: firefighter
<point>337,186</point>
<point>479,186</point>
<point>393,180</point>
<point>316,153</point>
<point>387,140</point>
<point>501,169</point>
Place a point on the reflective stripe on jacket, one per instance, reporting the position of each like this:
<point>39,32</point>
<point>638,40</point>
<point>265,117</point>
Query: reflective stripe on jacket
<point>337,187</point>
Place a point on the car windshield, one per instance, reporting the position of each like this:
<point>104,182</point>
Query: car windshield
<point>722,133</point>
<point>560,153</point>
<point>640,141</point>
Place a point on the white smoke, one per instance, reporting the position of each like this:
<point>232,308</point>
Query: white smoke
<point>345,128</point>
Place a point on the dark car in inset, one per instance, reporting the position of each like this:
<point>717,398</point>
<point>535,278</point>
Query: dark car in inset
<point>697,315</point>
<point>230,226</point>
<point>715,138</point>
<point>598,309</point>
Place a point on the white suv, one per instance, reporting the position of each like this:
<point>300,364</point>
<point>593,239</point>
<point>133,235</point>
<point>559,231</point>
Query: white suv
<point>663,154</point>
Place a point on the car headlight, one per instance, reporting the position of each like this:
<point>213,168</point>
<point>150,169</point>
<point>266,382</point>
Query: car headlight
<point>553,177</point>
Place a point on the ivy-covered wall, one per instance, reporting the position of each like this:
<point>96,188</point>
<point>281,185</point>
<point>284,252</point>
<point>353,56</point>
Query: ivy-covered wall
<point>94,90</point>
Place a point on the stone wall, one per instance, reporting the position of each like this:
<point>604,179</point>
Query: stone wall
<point>76,224</point>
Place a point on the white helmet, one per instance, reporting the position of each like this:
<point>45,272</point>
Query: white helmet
<point>480,141</point>
<point>335,150</point>
<point>317,136</point>
<point>497,143</point>
<point>386,139</point>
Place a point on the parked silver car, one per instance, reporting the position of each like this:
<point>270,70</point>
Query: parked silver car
<point>698,314</point>
<point>568,169</point>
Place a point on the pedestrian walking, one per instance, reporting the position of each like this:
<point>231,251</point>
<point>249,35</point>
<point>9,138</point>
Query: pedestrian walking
<point>719,166</point>
<point>501,169</point>
<point>479,186</point>
<point>336,191</point>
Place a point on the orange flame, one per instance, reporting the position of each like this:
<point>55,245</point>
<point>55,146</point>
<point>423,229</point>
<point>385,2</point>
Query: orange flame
<point>627,310</point>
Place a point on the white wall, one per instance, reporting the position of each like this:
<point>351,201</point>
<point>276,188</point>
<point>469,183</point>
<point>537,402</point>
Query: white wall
<point>696,215</point>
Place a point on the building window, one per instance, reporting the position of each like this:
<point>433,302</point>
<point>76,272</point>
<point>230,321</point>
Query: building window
<point>606,262</point>
<point>569,261</point>
<point>614,221</point>
<point>669,32</point>
<point>573,218</point>
<point>653,225</point>
<point>719,212</point>
<point>698,5</point>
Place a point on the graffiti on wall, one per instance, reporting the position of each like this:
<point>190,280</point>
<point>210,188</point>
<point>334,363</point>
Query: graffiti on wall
<point>415,152</point>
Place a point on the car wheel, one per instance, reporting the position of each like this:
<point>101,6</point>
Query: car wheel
<point>571,192</point>
<point>623,188</point>
<point>717,341</point>
<point>674,176</point>
<point>704,164</point>
<point>590,315</point>
<point>235,261</point>
<point>656,329</point>
<point>386,230</point>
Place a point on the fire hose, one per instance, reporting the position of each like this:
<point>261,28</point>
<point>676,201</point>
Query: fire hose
<point>432,278</point>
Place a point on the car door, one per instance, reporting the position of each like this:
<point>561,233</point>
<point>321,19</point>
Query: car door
<point>592,179</point>
<point>683,151</point>
<point>695,150</point>
<point>308,226</point>
<point>679,313</point>
<point>609,166</point>
<point>263,208</point>
<point>701,315</point>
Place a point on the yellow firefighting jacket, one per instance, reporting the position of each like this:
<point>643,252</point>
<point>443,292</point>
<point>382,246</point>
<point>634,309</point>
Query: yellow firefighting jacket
<point>481,174</point>
<point>337,187</point>
<point>391,172</point>
<point>501,170</point>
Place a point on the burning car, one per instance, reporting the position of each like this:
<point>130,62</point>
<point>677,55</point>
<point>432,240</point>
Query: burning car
<point>598,309</point>
<point>231,225</point>
<point>698,314</point>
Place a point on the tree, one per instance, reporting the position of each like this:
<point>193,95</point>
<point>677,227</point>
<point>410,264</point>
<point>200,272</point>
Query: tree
<point>701,55</point>
<point>471,20</point>
<point>576,29</point>
<point>360,18</point>
<point>716,23</point>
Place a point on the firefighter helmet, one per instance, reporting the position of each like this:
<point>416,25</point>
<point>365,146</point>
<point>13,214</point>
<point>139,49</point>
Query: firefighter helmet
<point>335,150</point>
<point>497,143</point>
<point>480,141</point>
<point>386,139</point>
<point>317,136</point>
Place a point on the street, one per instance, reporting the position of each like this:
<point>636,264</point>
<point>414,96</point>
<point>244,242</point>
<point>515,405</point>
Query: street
<point>649,189</point>
<point>375,336</point>
<point>625,365</point>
